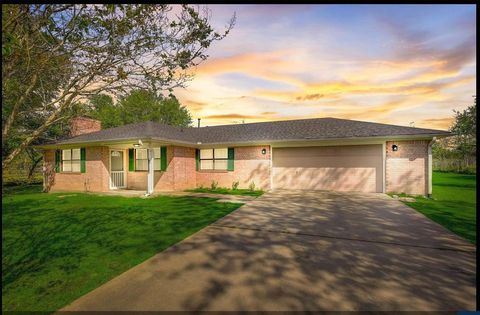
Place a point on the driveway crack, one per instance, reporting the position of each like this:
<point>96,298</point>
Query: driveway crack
<point>342,238</point>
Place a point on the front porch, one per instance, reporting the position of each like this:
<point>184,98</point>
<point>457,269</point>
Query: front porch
<point>134,169</point>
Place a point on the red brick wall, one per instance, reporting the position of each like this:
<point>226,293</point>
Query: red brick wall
<point>407,169</point>
<point>250,166</point>
<point>95,177</point>
<point>161,180</point>
<point>82,125</point>
<point>184,165</point>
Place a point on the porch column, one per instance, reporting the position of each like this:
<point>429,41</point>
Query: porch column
<point>150,171</point>
<point>384,167</point>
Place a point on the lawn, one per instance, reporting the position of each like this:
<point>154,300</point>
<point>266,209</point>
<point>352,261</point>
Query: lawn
<point>453,203</point>
<point>57,247</point>
<point>226,191</point>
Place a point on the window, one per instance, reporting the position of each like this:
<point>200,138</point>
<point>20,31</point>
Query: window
<point>214,159</point>
<point>141,159</point>
<point>156,160</point>
<point>71,160</point>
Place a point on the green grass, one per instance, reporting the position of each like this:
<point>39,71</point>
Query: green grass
<point>453,203</point>
<point>226,191</point>
<point>57,247</point>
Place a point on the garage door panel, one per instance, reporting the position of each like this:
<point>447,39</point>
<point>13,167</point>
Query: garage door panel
<point>341,179</point>
<point>346,168</point>
<point>329,161</point>
<point>356,150</point>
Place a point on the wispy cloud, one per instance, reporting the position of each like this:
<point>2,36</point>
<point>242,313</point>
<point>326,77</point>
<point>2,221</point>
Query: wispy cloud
<point>377,63</point>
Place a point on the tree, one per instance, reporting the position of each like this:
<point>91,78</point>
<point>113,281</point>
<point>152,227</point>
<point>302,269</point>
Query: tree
<point>172,113</point>
<point>55,55</point>
<point>103,109</point>
<point>458,153</point>
<point>138,106</point>
<point>465,130</point>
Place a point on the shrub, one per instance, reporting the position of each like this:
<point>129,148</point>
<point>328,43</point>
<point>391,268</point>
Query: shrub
<point>214,185</point>
<point>251,187</point>
<point>235,185</point>
<point>21,180</point>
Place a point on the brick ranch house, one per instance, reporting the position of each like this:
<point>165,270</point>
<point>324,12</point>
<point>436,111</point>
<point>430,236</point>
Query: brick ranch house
<point>317,154</point>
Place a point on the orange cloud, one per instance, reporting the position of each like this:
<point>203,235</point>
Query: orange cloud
<point>336,89</point>
<point>271,66</point>
<point>194,105</point>
<point>230,116</point>
<point>437,123</point>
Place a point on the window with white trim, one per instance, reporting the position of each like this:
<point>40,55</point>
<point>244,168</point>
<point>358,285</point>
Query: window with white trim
<point>71,160</point>
<point>214,159</point>
<point>141,159</point>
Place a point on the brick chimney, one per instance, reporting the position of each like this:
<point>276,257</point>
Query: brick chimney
<point>83,125</point>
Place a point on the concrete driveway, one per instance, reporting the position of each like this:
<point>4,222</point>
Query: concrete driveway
<point>303,250</point>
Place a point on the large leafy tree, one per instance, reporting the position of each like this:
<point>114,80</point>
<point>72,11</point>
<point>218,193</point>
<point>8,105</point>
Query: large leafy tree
<point>172,113</point>
<point>465,130</point>
<point>138,106</point>
<point>459,151</point>
<point>56,55</point>
<point>103,109</point>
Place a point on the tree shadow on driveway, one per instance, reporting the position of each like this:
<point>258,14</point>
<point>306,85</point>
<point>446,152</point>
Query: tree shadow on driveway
<point>304,251</point>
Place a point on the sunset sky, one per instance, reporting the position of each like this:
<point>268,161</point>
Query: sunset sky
<point>381,63</point>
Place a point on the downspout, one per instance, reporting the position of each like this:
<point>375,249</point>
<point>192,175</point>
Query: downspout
<point>429,185</point>
<point>271,168</point>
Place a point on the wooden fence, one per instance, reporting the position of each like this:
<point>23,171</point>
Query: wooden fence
<point>466,166</point>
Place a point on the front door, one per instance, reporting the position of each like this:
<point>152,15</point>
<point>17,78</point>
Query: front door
<point>117,171</point>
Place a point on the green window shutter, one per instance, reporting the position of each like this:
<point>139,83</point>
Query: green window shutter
<point>231,159</point>
<point>163,158</point>
<point>82,160</point>
<point>197,158</point>
<point>57,160</point>
<point>131,160</point>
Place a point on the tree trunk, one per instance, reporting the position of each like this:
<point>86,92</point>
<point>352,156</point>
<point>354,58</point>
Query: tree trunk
<point>33,166</point>
<point>34,135</point>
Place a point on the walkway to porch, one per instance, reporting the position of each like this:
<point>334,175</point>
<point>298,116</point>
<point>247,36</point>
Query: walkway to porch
<point>141,193</point>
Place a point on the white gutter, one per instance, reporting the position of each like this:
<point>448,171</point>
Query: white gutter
<point>128,142</point>
<point>323,141</point>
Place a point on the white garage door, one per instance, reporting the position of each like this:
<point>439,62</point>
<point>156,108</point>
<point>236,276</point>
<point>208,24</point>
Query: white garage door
<point>342,168</point>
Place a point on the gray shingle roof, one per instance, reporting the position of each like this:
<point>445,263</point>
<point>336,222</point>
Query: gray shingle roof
<point>304,129</point>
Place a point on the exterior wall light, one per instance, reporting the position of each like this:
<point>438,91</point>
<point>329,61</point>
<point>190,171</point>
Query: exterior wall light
<point>394,147</point>
<point>264,151</point>
<point>138,144</point>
